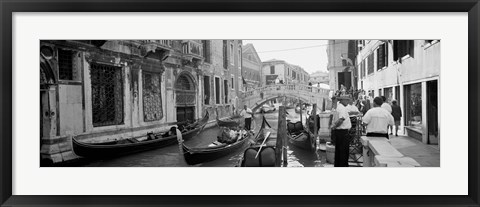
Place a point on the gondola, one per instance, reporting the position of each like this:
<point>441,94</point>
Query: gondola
<point>259,154</point>
<point>267,109</point>
<point>127,146</point>
<point>196,155</point>
<point>299,136</point>
<point>230,122</point>
<point>289,106</point>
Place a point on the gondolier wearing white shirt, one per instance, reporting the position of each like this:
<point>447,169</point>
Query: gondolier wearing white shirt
<point>340,132</point>
<point>247,115</point>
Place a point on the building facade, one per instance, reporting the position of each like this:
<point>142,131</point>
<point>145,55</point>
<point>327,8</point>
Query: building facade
<point>407,71</point>
<point>286,73</point>
<point>319,77</point>
<point>341,63</point>
<point>98,90</point>
<point>251,66</point>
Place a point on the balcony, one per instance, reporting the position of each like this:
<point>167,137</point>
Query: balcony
<point>166,44</point>
<point>192,49</point>
<point>158,49</point>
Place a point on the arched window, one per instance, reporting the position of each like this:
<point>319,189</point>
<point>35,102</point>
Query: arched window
<point>185,90</point>
<point>184,82</point>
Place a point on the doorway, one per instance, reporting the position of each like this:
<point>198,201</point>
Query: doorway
<point>345,79</point>
<point>432,112</point>
<point>185,114</point>
<point>185,98</point>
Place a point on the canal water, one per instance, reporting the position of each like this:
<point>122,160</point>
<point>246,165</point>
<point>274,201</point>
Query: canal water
<point>170,156</point>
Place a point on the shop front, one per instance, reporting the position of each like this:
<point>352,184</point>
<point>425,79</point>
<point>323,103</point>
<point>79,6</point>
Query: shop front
<point>421,111</point>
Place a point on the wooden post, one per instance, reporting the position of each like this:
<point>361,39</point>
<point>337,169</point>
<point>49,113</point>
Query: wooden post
<point>300,104</point>
<point>280,147</point>
<point>323,105</point>
<point>315,128</point>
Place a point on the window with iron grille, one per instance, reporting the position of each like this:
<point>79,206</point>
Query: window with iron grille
<point>401,48</point>
<point>382,56</point>
<point>206,50</point>
<point>107,95</point>
<point>185,90</point>
<point>152,97</point>
<point>65,64</point>
<point>370,63</point>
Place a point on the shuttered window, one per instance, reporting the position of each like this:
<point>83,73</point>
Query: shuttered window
<point>206,90</point>
<point>401,48</point>
<point>370,63</point>
<point>206,50</point>
<point>225,55</point>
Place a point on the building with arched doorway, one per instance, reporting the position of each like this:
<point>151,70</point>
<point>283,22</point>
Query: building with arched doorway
<point>99,90</point>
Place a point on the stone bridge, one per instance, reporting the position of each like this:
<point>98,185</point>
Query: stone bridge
<point>307,94</point>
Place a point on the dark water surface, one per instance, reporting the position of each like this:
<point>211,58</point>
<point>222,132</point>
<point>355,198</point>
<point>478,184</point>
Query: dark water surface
<point>170,156</point>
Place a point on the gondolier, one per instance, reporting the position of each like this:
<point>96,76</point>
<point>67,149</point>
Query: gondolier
<point>247,115</point>
<point>340,129</point>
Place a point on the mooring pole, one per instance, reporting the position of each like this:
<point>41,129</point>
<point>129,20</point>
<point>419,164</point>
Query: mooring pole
<point>282,133</point>
<point>315,128</point>
<point>300,103</point>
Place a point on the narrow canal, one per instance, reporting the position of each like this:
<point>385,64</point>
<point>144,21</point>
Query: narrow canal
<point>170,156</point>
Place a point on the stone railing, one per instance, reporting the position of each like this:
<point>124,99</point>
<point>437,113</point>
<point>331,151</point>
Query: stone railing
<point>288,88</point>
<point>160,43</point>
<point>378,152</point>
<point>307,94</point>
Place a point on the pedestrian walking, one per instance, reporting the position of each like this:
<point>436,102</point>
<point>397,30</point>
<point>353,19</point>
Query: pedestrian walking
<point>385,104</point>
<point>377,120</point>
<point>387,107</point>
<point>352,109</point>
<point>397,114</point>
<point>247,115</point>
<point>340,129</point>
<point>366,106</point>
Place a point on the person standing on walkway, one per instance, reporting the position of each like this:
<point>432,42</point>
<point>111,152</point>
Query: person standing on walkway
<point>247,115</point>
<point>377,119</point>
<point>340,129</point>
<point>387,107</point>
<point>397,114</point>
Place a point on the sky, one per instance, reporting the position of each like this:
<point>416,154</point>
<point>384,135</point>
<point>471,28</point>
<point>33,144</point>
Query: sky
<point>311,55</point>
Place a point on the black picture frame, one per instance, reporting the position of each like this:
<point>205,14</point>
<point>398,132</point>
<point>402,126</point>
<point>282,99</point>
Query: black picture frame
<point>9,6</point>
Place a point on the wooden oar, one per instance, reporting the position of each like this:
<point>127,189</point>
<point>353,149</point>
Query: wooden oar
<point>260,149</point>
<point>180,141</point>
<point>205,124</point>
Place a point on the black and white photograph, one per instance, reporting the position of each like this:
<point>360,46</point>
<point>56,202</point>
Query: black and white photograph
<point>240,103</point>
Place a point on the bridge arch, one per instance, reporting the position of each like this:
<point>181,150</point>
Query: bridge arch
<point>255,106</point>
<point>308,94</point>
